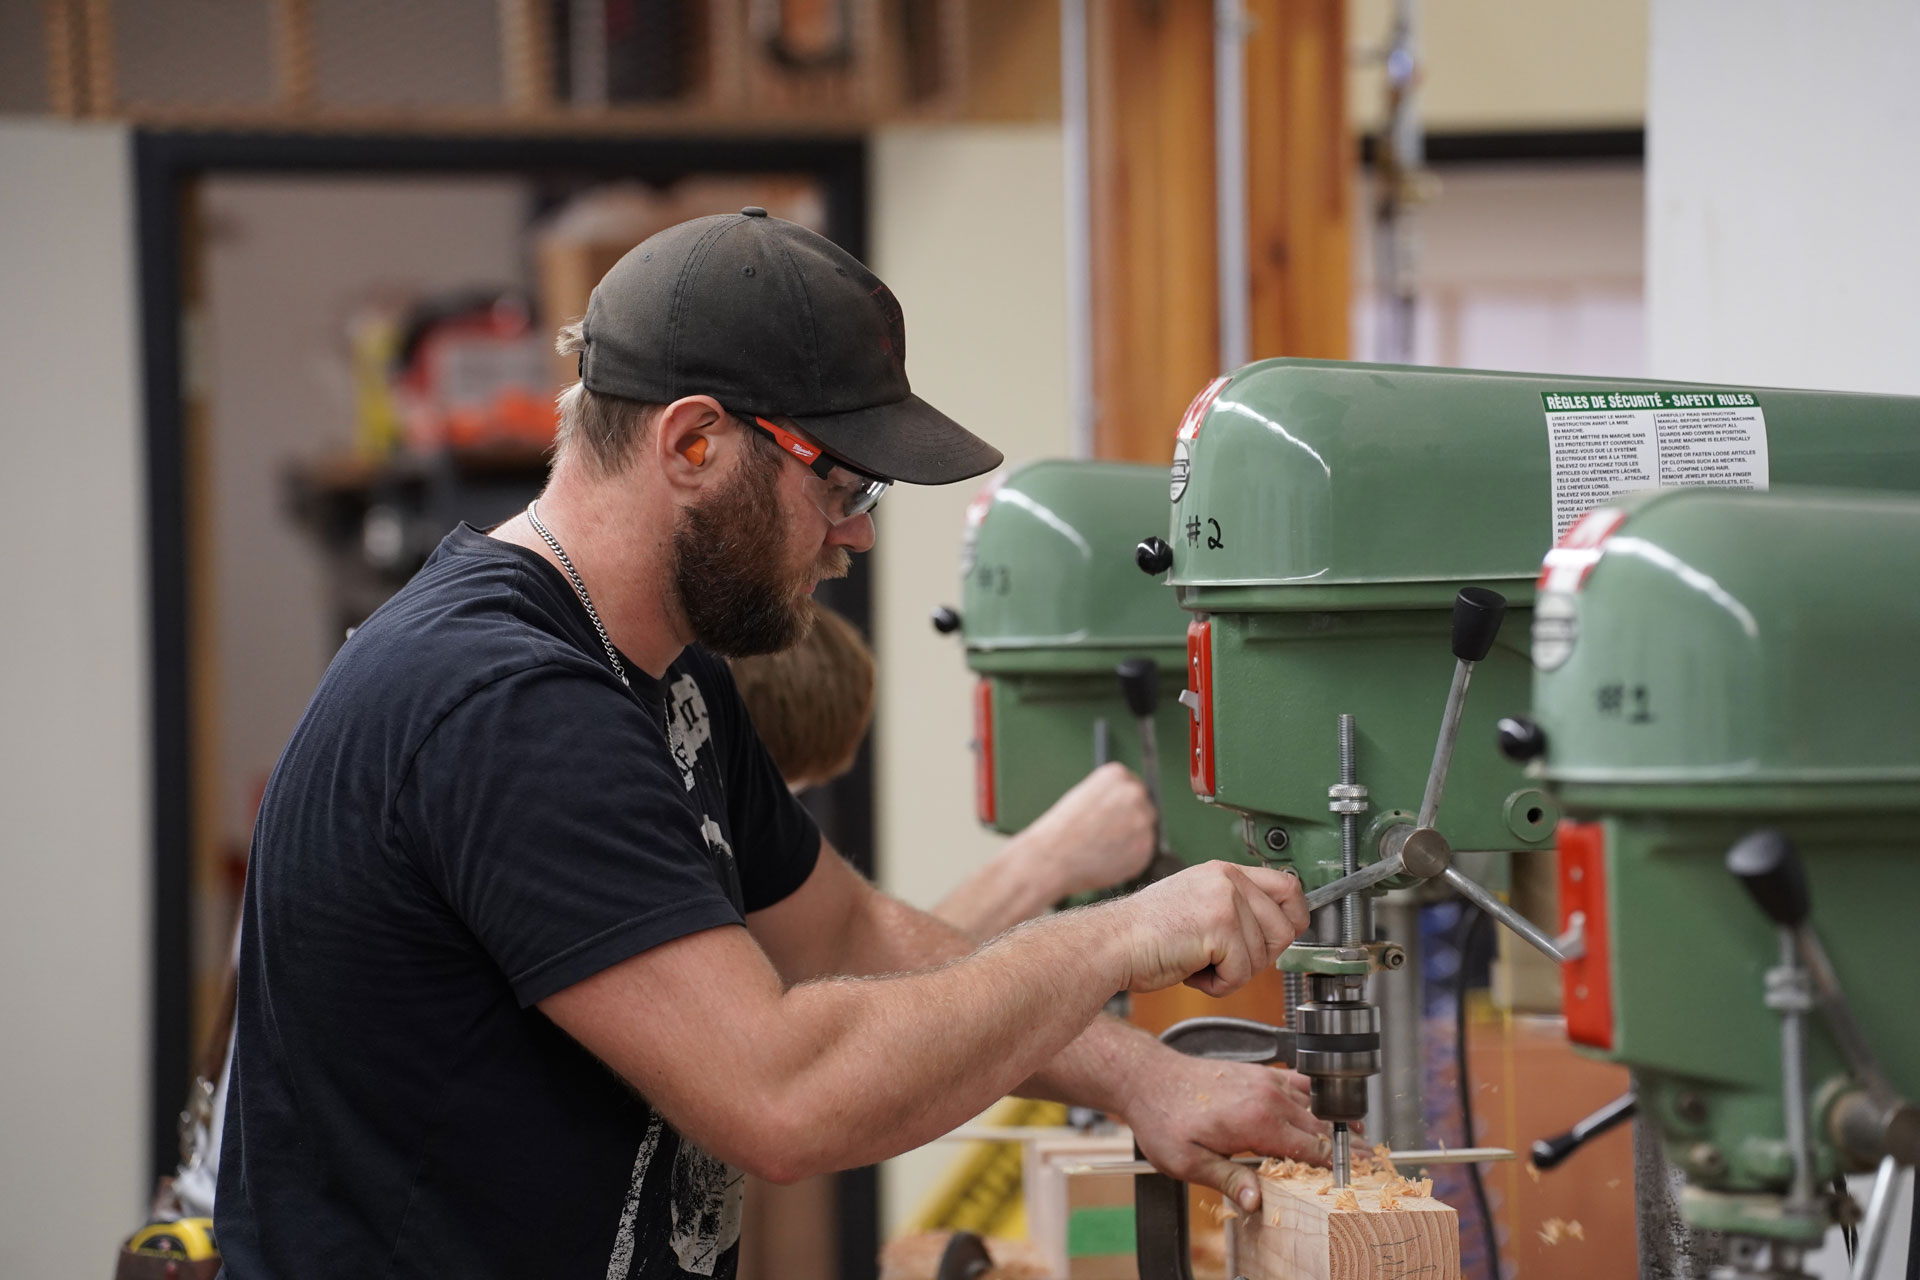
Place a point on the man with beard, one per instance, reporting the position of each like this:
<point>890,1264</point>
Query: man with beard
<point>537,950</point>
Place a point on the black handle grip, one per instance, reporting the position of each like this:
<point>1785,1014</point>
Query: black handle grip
<point>1139,685</point>
<point>1153,555</point>
<point>1477,613</point>
<point>946,619</point>
<point>1773,875</point>
<point>1521,739</point>
<point>1549,1152</point>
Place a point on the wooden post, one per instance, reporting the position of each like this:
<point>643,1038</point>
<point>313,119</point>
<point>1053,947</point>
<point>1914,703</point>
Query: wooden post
<point>1155,310</point>
<point>1150,90</point>
<point>1383,1228</point>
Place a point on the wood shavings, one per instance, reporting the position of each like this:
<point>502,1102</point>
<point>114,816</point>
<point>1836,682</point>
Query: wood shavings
<point>1554,1230</point>
<point>1222,1211</point>
<point>1533,1171</point>
<point>1388,1201</point>
<point>1612,1183</point>
<point>1576,1231</point>
<point>1285,1169</point>
<point>1345,1199</point>
<point>1383,1158</point>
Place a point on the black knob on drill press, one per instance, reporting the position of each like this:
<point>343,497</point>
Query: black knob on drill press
<point>1773,875</point>
<point>1153,555</point>
<point>1477,613</point>
<point>1139,685</point>
<point>946,619</point>
<point>1521,739</point>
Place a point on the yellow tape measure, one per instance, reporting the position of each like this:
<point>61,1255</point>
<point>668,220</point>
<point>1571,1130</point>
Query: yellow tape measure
<point>188,1238</point>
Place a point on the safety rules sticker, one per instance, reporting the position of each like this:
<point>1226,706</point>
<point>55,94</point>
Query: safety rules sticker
<point>1606,442</point>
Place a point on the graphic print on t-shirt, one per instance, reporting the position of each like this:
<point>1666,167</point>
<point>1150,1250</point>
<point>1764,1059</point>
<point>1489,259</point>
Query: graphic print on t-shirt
<point>688,728</point>
<point>704,1207</point>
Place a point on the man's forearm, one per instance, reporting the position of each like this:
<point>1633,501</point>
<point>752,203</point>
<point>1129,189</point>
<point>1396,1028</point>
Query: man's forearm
<point>1095,1070</point>
<point>1020,999</point>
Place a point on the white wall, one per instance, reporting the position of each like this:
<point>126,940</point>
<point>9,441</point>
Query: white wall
<point>74,761</point>
<point>1780,219</point>
<point>1494,64</point>
<point>1781,193</point>
<point>968,232</point>
<point>287,261</point>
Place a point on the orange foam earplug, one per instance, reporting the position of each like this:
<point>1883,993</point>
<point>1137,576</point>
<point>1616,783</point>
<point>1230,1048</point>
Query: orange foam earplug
<point>697,451</point>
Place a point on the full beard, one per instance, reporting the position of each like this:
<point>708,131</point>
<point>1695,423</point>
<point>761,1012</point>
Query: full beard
<point>737,596</point>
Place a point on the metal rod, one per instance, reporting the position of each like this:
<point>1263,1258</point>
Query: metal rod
<point>1342,1154</point>
<point>1873,1231</point>
<point>1075,113</point>
<point>1403,1159</point>
<point>1505,914</point>
<point>1230,180</point>
<point>1403,1069</point>
<point>1443,749</point>
<point>1793,1083</point>
<point>1365,878</point>
<point>1838,1015</point>
<point>1349,840</point>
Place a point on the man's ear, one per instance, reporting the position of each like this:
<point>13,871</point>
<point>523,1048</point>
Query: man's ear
<point>690,438</point>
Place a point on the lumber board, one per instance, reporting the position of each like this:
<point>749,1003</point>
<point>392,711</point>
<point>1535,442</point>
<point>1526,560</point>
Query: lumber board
<point>1389,1229</point>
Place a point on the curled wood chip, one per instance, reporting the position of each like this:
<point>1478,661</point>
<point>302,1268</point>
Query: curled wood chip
<point>1420,1188</point>
<point>1533,1171</point>
<point>1324,1189</point>
<point>1553,1230</point>
<point>1383,1158</point>
<point>1575,1230</point>
<point>1345,1199</point>
<point>1221,1211</point>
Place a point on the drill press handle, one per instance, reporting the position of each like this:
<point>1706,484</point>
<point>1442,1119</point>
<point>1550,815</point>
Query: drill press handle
<point>1140,686</point>
<point>1477,614</point>
<point>1769,869</point>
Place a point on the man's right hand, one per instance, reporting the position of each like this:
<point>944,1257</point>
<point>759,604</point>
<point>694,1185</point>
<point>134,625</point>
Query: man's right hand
<point>1212,926</point>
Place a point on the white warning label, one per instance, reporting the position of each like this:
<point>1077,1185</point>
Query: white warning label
<point>1601,443</point>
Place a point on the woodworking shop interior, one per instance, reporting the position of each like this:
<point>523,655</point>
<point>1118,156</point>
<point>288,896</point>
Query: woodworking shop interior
<point>1531,384</point>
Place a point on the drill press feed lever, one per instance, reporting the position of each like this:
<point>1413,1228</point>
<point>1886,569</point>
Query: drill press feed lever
<point>1877,1122</point>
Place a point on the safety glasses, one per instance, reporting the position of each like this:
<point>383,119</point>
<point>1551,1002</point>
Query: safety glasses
<point>837,489</point>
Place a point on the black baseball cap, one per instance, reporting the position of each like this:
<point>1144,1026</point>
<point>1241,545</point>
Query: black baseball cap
<point>772,319</point>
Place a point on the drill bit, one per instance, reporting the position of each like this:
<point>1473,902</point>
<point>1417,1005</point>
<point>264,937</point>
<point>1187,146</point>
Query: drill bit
<point>1342,1154</point>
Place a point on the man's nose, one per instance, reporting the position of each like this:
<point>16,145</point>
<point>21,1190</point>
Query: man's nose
<point>855,534</point>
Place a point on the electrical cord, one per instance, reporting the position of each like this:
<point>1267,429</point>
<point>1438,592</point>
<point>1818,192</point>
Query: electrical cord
<point>1470,928</point>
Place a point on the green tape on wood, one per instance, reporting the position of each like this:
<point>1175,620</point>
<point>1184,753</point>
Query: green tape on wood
<point>1099,1231</point>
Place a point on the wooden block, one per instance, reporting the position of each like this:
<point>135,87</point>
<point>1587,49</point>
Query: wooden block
<point>1303,1235</point>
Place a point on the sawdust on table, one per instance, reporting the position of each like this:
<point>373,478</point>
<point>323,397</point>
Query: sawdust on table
<point>1554,1230</point>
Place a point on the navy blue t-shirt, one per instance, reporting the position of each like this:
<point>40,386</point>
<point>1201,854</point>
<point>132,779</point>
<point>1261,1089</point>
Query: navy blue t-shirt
<point>473,814</point>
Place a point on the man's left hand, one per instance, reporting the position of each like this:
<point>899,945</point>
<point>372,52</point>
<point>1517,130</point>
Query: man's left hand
<point>1196,1112</point>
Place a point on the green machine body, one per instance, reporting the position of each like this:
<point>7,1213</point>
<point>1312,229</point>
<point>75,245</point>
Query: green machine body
<point>1325,515</point>
<point>1715,668</point>
<point>1051,605</point>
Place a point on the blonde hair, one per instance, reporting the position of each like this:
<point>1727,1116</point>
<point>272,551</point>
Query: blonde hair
<point>811,703</point>
<point>603,427</point>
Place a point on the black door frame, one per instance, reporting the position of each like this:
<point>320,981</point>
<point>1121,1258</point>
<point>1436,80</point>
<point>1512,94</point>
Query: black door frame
<point>165,166</point>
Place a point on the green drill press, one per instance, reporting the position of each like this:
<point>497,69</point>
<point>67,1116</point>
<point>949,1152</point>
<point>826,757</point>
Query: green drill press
<point>1337,529</point>
<point>1068,641</point>
<point>1727,707</point>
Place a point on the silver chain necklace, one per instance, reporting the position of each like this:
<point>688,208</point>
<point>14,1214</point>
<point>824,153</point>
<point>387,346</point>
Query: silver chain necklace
<point>579,589</point>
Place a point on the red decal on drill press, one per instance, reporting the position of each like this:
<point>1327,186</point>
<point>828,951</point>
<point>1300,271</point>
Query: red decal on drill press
<point>985,805</point>
<point>1574,556</point>
<point>1200,709</point>
<point>1587,981</point>
<point>1197,411</point>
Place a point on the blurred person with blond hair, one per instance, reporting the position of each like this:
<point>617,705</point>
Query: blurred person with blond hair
<point>812,705</point>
